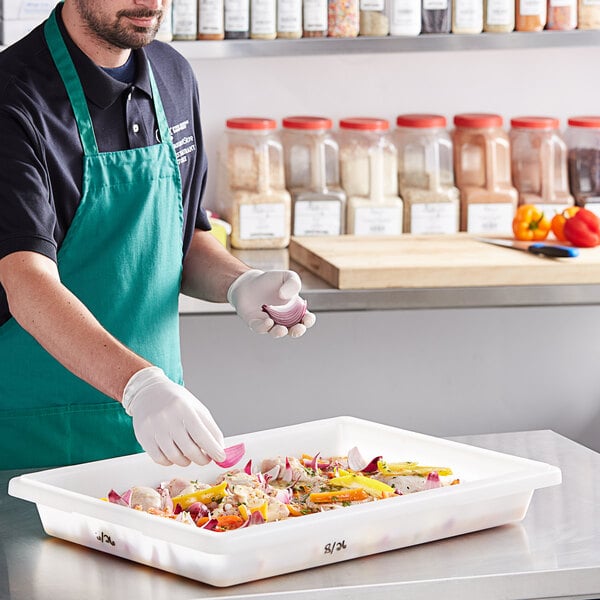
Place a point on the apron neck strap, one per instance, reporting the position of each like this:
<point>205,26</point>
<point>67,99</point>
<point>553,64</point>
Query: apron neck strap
<point>68,73</point>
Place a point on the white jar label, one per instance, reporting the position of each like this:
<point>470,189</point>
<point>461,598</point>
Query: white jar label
<point>490,218</point>
<point>185,18</point>
<point>404,14</point>
<point>237,15</point>
<point>289,16</point>
<point>384,220</point>
<point>433,217</point>
<point>499,12</point>
<point>317,217</point>
<point>529,8</point>
<point>469,14</point>
<point>258,221</point>
<point>262,15</point>
<point>435,4</point>
<point>591,2</point>
<point>572,3</point>
<point>378,5</point>
<point>210,17</point>
<point>315,15</point>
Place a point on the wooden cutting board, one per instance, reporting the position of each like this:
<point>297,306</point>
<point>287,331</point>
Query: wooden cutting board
<point>355,262</point>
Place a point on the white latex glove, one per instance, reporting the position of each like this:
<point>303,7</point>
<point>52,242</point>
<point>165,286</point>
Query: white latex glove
<point>254,288</point>
<point>171,424</point>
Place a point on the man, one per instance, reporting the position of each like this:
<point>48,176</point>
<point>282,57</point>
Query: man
<point>100,230</point>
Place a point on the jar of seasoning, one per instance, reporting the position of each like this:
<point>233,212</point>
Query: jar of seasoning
<point>289,19</point>
<point>185,20</point>
<point>312,176</point>
<point>467,16</point>
<point>369,176</point>
<point>531,15</point>
<point>373,18</point>
<point>435,16</point>
<point>211,23</point>
<point>498,16</point>
<point>263,22</point>
<point>482,167</point>
<point>588,14</point>
<point>251,184</point>
<point>237,19</point>
<point>404,17</point>
<point>315,18</point>
<point>583,142</point>
<point>343,18</point>
<point>425,176</point>
<point>539,163</point>
<point>562,15</point>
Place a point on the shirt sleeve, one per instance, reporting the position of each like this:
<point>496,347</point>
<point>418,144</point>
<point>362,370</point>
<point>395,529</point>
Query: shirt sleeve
<point>27,215</point>
<point>201,221</point>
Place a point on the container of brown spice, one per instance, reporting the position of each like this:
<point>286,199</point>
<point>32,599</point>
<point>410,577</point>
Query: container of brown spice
<point>588,14</point>
<point>251,192</point>
<point>562,15</point>
<point>315,18</point>
<point>531,15</point>
<point>583,142</point>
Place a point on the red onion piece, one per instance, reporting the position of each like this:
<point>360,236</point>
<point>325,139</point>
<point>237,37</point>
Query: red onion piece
<point>433,481</point>
<point>126,497</point>
<point>356,462</point>
<point>289,314</point>
<point>116,498</point>
<point>166,503</point>
<point>287,472</point>
<point>272,473</point>
<point>197,509</point>
<point>177,509</point>
<point>248,468</point>
<point>210,525</point>
<point>233,455</point>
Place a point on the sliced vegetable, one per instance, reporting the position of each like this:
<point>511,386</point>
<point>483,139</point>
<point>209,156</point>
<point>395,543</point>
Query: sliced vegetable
<point>356,462</point>
<point>288,314</point>
<point>349,495</point>
<point>371,486</point>
<point>410,468</point>
<point>212,494</point>
<point>233,455</point>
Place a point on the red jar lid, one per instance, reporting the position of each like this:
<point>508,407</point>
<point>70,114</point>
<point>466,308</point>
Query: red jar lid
<point>365,124</point>
<point>251,123</point>
<point>307,123</point>
<point>421,121</point>
<point>478,120</point>
<point>535,122</point>
<point>584,121</point>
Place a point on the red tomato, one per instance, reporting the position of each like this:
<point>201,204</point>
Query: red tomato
<point>583,229</point>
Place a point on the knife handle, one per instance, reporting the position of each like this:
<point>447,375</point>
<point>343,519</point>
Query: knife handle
<point>553,251</point>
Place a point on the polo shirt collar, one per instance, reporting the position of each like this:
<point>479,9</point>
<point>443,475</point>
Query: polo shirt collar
<point>99,87</point>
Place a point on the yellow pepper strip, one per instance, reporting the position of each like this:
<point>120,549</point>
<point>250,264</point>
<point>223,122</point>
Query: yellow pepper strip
<point>212,494</point>
<point>352,495</point>
<point>410,468</point>
<point>371,486</point>
<point>246,511</point>
<point>294,510</point>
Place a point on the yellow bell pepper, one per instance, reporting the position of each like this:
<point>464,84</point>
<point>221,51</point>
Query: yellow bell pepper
<point>410,468</point>
<point>212,494</point>
<point>530,223</point>
<point>371,486</point>
<point>246,511</point>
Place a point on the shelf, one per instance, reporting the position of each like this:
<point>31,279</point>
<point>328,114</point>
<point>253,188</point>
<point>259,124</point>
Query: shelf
<point>365,45</point>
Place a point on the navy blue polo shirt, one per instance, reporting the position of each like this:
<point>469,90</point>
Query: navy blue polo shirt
<point>40,151</point>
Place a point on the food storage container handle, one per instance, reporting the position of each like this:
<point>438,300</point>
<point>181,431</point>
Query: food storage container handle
<point>331,163</point>
<point>376,173</point>
<point>547,158</point>
<point>432,152</point>
<point>318,177</point>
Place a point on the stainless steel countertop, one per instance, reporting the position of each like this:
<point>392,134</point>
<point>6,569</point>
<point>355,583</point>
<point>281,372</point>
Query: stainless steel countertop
<point>322,297</point>
<point>553,553</point>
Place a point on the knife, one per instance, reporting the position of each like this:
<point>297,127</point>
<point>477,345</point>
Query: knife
<point>548,250</point>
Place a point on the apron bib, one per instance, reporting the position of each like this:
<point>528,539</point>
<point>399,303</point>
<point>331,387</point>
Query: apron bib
<point>122,257</point>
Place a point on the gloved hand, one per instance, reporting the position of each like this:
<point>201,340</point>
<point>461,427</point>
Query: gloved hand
<point>254,288</point>
<point>170,424</point>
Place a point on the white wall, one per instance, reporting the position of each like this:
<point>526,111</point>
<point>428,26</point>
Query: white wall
<point>444,372</point>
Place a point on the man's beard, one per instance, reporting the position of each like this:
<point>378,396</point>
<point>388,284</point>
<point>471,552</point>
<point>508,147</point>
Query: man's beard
<point>119,33</point>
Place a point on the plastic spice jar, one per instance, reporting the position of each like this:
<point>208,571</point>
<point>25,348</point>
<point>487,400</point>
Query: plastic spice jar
<point>251,184</point>
<point>237,19</point>
<point>467,16</point>
<point>312,175</point>
<point>315,18</point>
<point>289,19</point>
<point>211,24</point>
<point>482,168</point>
<point>498,16</point>
<point>263,21</point>
<point>373,18</point>
<point>435,16</point>
<point>588,14</point>
<point>539,163</point>
<point>562,15</point>
<point>425,177</point>
<point>583,142</point>
<point>343,18</point>
<point>369,176</point>
<point>404,16</point>
<point>531,15</point>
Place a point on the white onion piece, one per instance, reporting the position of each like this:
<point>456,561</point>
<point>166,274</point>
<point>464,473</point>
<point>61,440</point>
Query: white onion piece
<point>289,314</point>
<point>356,461</point>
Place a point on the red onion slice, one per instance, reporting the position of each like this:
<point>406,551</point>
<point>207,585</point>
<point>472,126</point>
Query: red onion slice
<point>233,455</point>
<point>116,498</point>
<point>289,314</point>
<point>356,461</point>
<point>433,481</point>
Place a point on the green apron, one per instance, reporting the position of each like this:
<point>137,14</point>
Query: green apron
<point>122,257</point>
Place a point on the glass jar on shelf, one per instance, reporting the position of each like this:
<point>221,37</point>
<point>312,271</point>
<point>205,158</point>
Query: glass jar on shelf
<point>583,142</point>
<point>425,174</point>
<point>562,15</point>
<point>289,19</point>
<point>251,192</point>
<point>312,176</point>
<point>373,18</point>
<point>369,176</point>
<point>467,16</point>
<point>588,14</point>
<point>531,15</point>
<point>539,163</point>
<point>315,18</point>
<point>404,17</point>
<point>498,16</point>
<point>482,168</point>
<point>436,16</point>
<point>343,18</point>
